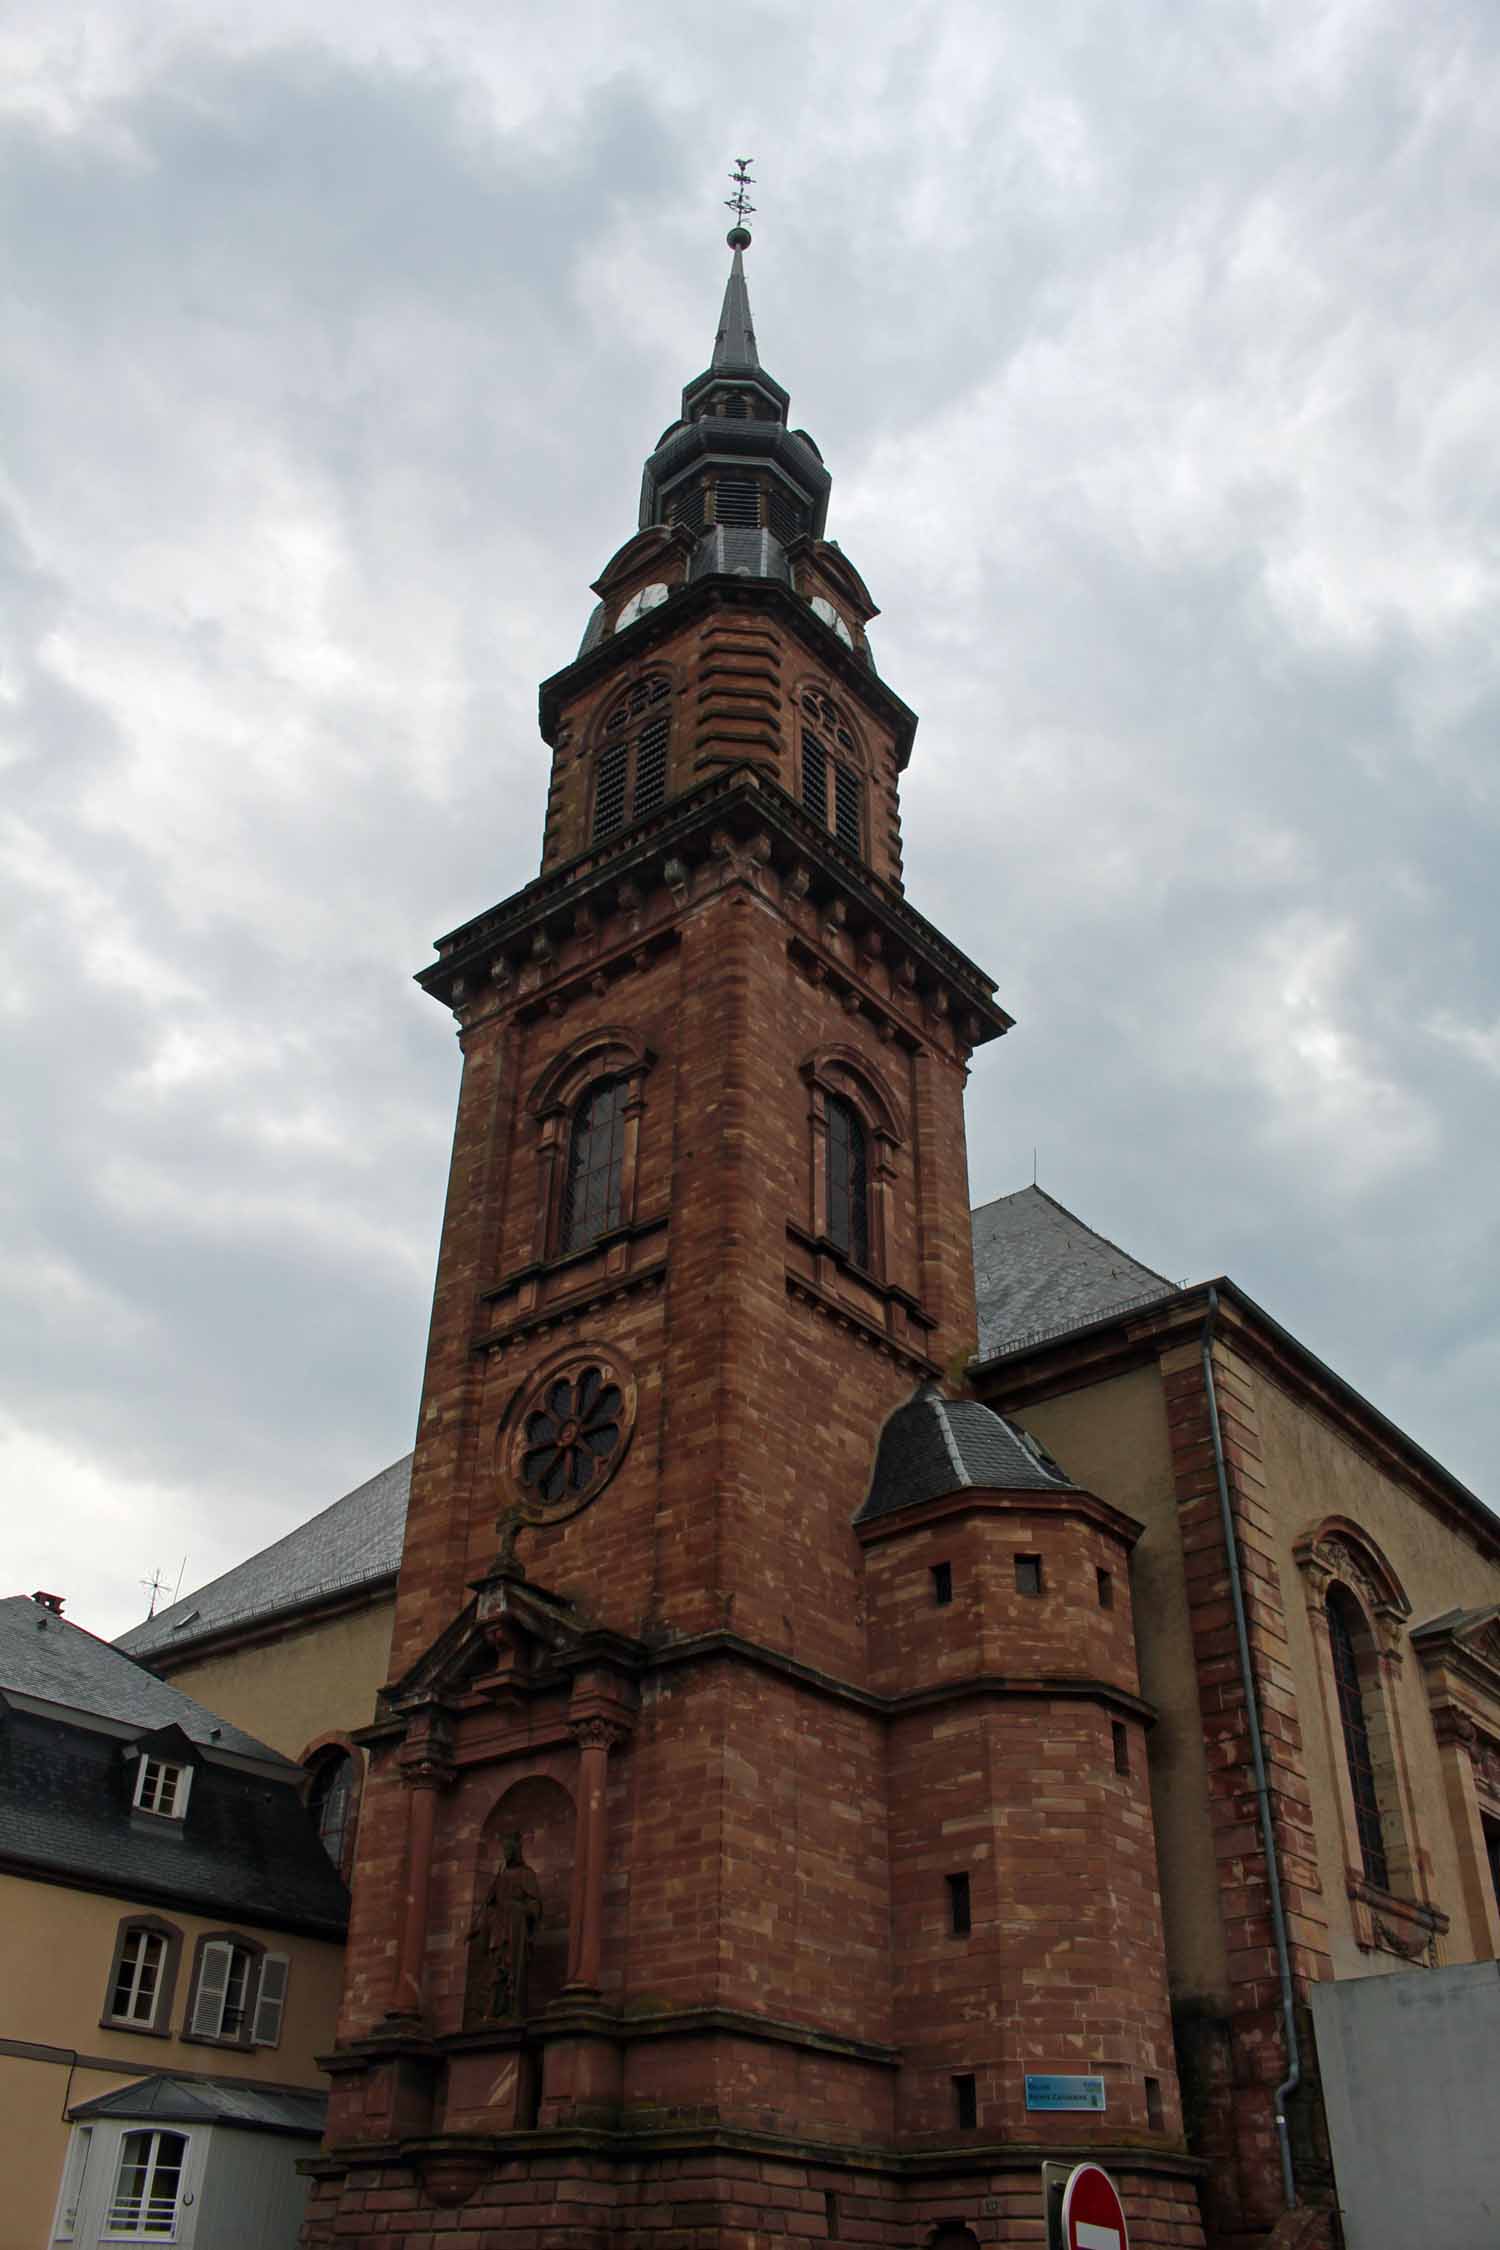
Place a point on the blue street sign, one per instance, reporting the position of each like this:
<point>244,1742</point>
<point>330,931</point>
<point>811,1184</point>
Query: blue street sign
<point>1044,2092</point>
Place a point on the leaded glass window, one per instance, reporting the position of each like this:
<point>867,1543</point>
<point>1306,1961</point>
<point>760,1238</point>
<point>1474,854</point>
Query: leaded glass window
<point>848,1183</point>
<point>596,1153</point>
<point>1343,1623</point>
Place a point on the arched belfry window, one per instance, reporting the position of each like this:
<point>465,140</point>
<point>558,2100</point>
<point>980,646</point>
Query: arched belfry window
<point>848,1185</point>
<point>592,1192</point>
<point>630,773</point>
<point>1346,1628</point>
<point>832,785</point>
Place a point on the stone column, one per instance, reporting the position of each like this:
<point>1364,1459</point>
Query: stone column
<point>595,1739</point>
<point>425,1778</point>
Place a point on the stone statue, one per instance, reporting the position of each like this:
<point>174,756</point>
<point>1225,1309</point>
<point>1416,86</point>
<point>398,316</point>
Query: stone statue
<point>500,1939</point>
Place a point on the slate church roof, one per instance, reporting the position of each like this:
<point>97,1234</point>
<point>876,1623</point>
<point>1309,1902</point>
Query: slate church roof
<point>353,1544</point>
<point>1039,1271</point>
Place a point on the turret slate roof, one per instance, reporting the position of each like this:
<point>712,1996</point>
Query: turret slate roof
<point>933,1446</point>
<point>1039,1271</point>
<point>354,1543</point>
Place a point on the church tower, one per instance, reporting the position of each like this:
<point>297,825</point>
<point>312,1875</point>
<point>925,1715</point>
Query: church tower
<point>759,1792</point>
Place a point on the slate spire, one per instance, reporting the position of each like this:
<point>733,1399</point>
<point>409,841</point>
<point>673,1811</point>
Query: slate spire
<point>734,345</point>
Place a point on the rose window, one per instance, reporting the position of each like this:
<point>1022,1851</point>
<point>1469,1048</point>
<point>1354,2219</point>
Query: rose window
<point>570,1439</point>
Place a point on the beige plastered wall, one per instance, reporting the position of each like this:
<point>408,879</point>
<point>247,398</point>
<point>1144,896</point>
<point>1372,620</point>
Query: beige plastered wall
<point>1112,1439</point>
<point>57,1947</point>
<point>1312,1472</point>
<point>310,1681</point>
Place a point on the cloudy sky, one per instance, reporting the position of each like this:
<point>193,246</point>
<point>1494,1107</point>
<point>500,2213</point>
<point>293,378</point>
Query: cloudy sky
<point>1154,353</point>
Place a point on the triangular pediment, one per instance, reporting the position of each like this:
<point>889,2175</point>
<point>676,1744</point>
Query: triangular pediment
<point>513,1634</point>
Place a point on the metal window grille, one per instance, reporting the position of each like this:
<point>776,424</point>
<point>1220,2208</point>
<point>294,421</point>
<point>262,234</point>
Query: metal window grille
<point>1357,1740</point>
<point>596,1153</point>
<point>848,1190</point>
<point>138,1977</point>
<point>147,2184</point>
<point>737,501</point>
<point>815,776</point>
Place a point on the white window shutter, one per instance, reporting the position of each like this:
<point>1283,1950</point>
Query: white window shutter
<point>270,2000</point>
<point>213,1984</point>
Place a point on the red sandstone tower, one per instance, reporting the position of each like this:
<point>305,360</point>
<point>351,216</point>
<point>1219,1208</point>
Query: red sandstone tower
<point>759,1794</point>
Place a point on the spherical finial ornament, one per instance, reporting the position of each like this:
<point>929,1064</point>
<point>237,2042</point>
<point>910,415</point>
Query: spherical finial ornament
<point>738,238</point>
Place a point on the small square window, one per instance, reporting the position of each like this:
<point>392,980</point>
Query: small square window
<point>1029,1574</point>
<point>966,2101</point>
<point>162,1788</point>
<point>1106,1587</point>
<point>960,1905</point>
<point>942,1583</point>
<point>1120,1736</point>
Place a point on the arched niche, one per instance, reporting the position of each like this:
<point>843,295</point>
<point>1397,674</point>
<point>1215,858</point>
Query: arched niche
<point>541,1813</point>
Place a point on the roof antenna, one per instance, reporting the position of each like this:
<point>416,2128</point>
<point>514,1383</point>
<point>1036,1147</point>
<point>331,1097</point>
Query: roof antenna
<point>153,1585</point>
<point>1033,1167</point>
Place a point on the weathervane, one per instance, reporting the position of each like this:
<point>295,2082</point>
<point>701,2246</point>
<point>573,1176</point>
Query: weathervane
<point>739,203</point>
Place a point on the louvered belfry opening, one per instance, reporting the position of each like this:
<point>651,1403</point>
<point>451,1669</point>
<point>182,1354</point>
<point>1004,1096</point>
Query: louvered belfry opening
<point>630,778</point>
<point>737,501</point>
<point>831,787</point>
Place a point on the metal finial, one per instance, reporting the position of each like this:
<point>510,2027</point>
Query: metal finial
<point>739,203</point>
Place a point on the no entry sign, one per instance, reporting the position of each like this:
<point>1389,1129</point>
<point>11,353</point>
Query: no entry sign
<point>1093,2217</point>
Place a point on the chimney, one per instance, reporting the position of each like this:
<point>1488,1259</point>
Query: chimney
<point>54,1602</point>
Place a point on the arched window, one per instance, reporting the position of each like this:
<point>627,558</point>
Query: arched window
<point>1345,1627</point>
<point>832,790</point>
<point>331,1800</point>
<point>848,1182</point>
<point>596,1155</point>
<point>630,778</point>
<point>147,2185</point>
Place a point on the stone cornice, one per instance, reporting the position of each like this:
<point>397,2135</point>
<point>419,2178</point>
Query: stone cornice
<point>981,1499</point>
<point>524,953</point>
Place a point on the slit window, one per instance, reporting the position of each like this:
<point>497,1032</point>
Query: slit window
<point>1106,1586</point>
<point>1154,2117</point>
<point>965,2102</point>
<point>960,1905</point>
<point>1120,1740</point>
<point>942,1583</point>
<point>1029,1575</point>
<point>630,776</point>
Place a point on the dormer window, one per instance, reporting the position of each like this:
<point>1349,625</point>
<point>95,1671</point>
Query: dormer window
<point>643,599</point>
<point>162,1788</point>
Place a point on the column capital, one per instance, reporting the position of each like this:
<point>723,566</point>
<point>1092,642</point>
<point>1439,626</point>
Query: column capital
<point>598,1733</point>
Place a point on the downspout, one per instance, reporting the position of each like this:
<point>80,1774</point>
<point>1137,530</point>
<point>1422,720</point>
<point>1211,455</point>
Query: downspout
<point>1293,2078</point>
